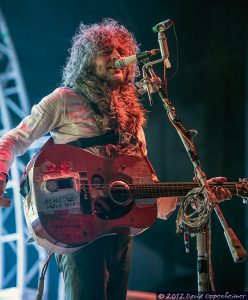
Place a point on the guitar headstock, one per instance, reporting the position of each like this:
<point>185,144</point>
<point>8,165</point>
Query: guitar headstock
<point>242,189</point>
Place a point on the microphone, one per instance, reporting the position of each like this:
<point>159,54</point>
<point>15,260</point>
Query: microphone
<point>126,61</point>
<point>162,26</point>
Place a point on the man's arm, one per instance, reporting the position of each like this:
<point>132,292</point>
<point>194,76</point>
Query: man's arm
<point>3,202</point>
<point>43,118</point>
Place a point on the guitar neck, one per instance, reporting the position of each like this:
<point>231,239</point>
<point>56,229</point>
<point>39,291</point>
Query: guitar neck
<point>172,189</point>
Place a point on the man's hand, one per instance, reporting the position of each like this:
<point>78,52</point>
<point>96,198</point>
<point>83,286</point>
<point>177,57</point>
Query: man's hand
<point>221,193</point>
<point>3,202</point>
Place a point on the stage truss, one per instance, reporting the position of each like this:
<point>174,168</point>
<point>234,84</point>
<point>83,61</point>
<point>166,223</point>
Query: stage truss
<point>20,262</point>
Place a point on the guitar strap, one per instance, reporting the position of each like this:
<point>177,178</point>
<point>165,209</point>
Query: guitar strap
<point>110,137</point>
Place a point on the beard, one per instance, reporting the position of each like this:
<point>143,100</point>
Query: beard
<point>110,78</point>
<point>112,82</point>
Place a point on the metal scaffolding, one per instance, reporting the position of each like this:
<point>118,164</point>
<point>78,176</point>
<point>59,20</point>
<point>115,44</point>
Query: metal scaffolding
<point>20,262</point>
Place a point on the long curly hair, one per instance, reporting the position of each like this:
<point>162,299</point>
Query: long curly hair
<point>120,109</point>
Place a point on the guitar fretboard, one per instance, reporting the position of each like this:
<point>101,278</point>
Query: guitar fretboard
<point>172,189</point>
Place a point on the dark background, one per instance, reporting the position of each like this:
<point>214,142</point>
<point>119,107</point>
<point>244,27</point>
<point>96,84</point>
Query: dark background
<point>209,93</point>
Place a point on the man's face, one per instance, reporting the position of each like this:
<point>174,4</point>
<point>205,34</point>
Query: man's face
<point>104,64</point>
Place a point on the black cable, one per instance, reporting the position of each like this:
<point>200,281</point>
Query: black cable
<point>175,35</point>
<point>40,288</point>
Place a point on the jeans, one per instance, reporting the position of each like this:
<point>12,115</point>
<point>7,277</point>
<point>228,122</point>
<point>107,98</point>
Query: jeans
<point>98,271</point>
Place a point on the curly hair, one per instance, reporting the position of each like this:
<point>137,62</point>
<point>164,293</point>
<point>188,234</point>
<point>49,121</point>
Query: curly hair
<point>85,46</point>
<point>121,109</point>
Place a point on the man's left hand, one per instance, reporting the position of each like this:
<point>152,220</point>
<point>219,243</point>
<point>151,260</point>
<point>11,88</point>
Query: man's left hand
<point>220,192</point>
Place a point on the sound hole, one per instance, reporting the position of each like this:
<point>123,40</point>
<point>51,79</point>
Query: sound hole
<point>120,193</point>
<point>118,204</point>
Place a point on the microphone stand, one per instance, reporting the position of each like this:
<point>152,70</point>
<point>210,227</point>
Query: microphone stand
<point>238,252</point>
<point>153,84</point>
<point>202,236</point>
<point>206,201</point>
<point>187,140</point>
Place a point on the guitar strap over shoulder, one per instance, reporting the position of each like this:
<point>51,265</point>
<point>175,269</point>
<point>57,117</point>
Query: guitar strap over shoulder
<point>109,137</point>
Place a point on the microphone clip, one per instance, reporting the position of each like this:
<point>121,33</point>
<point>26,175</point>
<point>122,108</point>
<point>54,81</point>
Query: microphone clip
<point>149,85</point>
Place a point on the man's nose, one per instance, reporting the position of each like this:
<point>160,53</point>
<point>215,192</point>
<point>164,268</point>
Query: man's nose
<point>115,55</point>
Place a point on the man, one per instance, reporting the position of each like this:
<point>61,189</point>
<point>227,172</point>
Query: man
<point>95,98</point>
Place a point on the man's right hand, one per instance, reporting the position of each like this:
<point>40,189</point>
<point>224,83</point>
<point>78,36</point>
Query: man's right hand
<point>3,202</point>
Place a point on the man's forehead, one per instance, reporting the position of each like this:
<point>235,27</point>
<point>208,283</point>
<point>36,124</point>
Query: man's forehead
<point>113,43</point>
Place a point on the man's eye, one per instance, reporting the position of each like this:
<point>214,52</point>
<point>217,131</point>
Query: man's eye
<point>121,51</point>
<point>106,52</point>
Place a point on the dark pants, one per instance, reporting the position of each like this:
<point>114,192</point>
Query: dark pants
<point>98,271</point>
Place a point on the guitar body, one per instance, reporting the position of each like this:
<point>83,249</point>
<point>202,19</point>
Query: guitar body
<point>75,197</point>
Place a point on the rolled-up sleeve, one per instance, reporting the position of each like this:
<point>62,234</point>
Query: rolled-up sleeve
<point>166,206</point>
